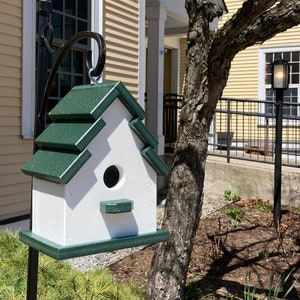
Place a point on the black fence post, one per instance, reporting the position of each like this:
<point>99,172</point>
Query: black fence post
<point>228,131</point>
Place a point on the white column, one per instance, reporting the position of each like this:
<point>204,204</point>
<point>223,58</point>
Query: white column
<point>175,71</point>
<point>96,26</point>
<point>142,53</point>
<point>28,69</point>
<point>156,13</point>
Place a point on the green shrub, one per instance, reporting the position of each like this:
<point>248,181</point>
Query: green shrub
<point>57,279</point>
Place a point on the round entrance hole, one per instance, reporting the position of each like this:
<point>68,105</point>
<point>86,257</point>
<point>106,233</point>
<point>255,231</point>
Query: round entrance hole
<point>111,176</point>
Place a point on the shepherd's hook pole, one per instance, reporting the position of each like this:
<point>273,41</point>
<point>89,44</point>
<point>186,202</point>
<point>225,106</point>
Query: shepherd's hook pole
<point>44,10</point>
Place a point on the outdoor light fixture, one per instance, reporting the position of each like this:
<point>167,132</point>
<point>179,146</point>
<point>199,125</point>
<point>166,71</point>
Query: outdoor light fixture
<point>280,74</point>
<point>280,82</point>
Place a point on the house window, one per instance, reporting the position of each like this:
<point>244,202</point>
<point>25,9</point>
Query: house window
<point>292,94</point>
<point>68,18</point>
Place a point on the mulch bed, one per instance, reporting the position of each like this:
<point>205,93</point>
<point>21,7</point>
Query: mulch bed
<point>226,257</point>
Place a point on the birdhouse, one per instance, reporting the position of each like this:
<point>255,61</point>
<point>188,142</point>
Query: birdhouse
<point>94,176</point>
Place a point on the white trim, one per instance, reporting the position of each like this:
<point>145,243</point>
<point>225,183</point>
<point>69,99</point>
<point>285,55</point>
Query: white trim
<point>28,69</point>
<point>28,64</point>
<point>261,65</point>
<point>142,54</point>
<point>261,78</point>
<point>96,25</point>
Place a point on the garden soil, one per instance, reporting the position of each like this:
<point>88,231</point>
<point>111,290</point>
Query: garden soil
<point>235,250</point>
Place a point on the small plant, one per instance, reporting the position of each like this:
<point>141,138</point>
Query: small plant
<point>235,214</point>
<point>264,254</point>
<point>231,196</point>
<point>249,293</point>
<point>192,291</point>
<point>227,194</point>
<point>263,206</point>
<point>275,291</point>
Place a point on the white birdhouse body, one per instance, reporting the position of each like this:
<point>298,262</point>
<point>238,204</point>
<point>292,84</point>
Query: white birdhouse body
<point>73,209</point>
<point>102,185</point>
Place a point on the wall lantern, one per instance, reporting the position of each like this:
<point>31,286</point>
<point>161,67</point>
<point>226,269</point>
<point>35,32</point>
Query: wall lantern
<point>280,82</point>
<point>280,74</point>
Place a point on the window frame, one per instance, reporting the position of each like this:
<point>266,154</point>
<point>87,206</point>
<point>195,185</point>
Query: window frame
<point>28,61</point>
<point>263,86</point>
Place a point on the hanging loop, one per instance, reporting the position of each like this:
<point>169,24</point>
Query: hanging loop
<point>93,71</point>
<point>92,78</point>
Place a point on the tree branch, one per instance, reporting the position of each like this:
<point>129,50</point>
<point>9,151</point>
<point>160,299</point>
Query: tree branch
<point>243,18</point>
<point>262,22</point>
<point>256,22</point>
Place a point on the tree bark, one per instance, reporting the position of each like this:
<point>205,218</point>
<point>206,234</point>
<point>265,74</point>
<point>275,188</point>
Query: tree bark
<point>208,64</point>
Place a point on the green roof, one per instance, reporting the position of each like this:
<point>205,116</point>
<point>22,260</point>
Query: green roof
<point>76,121</point>
<point>88,102</point>
<point>55,166</point>
<point>69,136</point>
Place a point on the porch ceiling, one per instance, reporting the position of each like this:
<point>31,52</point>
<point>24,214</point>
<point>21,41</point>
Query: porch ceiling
<point>177,18</point>
<point>174,26</point>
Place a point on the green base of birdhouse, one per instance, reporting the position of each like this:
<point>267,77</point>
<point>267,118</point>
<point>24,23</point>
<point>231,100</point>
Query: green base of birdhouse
<point>63,252</point>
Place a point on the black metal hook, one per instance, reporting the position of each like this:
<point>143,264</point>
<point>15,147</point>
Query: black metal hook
<point>48,37</point>
<point>96,71</point>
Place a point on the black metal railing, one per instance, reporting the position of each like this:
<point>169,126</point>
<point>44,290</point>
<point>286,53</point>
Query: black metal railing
<point>242,129</point>
<point>172,105</point>
<point>245,129</point>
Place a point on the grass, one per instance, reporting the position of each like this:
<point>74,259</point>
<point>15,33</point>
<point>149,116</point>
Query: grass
<point>57,279</point>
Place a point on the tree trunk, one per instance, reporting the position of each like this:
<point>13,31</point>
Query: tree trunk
<point>208,64</point>
<point>184,199</point>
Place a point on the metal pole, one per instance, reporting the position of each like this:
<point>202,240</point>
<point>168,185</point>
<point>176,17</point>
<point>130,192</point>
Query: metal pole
<point>228,131</point>
<point>44,9</point>
<point>278,158</point>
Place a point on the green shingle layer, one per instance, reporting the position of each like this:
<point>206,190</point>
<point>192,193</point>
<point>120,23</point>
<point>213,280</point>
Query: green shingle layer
<point>154,160</point>
<point>76,122</point>
<point>69,136</point>
<point>143,132</point>
<point>88,102</point>
<point>55,166</point>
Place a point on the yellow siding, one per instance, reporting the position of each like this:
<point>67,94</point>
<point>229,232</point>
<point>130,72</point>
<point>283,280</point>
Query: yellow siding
<point>182,62</point>
<point>167,71</point>
<point>243,78</point>
<point>14,151</point>
<point>121,23</point>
